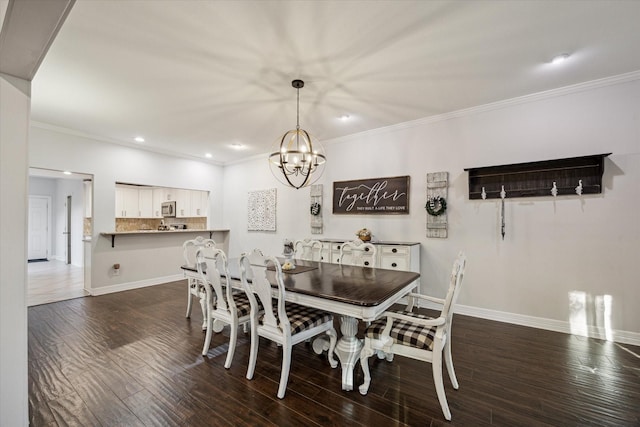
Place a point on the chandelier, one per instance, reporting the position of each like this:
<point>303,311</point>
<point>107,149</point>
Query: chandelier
<point>297,157</point>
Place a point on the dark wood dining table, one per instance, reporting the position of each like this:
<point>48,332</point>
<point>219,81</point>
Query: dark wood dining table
<point>355,293</point>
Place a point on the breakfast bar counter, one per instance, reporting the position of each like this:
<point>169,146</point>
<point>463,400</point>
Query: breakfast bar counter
<point>186,232</point>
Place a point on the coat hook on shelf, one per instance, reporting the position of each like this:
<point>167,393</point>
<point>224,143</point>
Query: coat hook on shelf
<point>483,194</point>
<point>503,194</point>
<point>579,188</point>
<point>554,189</point>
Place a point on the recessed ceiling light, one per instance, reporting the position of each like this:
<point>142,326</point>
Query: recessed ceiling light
<point>560,59</point>
<point>208,155</point>
<point>237,146</point>
<point>67,172</point>
<point>345,117</point>
<point>138,139</point>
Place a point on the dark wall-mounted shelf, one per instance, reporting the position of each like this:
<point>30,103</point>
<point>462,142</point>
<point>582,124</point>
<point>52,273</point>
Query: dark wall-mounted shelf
<point>536,179</point>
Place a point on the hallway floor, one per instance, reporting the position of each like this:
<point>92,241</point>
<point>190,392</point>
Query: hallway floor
<point>51,281</point>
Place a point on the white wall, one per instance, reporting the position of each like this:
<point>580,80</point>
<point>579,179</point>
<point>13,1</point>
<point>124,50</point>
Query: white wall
<point>15,104</point>
<point>560,257</point>
<point>108,163</point>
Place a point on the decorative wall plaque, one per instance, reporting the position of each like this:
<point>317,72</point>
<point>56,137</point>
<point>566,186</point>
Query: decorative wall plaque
<point>261,208</point>
<point>379,196</point>
<point>436,205</point>
<point>315,208</point>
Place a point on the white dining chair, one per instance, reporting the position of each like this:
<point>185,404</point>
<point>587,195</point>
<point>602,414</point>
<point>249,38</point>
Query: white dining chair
<point>409,334</point>
<point>359,253</point>
<point>282,322</point>
<point>223,304</point>
<point>308,249</point>
<point>194,285</point>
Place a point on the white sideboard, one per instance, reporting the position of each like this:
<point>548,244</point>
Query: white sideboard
<point>404,256</point>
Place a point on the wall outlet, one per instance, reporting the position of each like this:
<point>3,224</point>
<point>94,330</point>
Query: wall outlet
<point>116,269</point>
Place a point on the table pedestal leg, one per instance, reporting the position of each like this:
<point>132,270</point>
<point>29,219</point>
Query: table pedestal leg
<point>348,350</point>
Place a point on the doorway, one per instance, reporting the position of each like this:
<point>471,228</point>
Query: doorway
<point>60,273</point>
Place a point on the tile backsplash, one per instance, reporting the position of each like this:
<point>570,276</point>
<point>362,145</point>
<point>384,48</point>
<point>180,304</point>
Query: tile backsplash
<point>135,224</point>
<point>87,226</point>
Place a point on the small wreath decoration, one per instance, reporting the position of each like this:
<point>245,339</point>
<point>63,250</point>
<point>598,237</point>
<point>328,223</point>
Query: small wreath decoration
<point>315,209</point>
<point>436,206</point>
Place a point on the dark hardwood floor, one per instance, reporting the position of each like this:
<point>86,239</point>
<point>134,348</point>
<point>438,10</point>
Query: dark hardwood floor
<point>131,358</point>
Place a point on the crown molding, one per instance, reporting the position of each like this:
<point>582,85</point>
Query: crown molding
<point>525,99</point>
<point>72,132</point>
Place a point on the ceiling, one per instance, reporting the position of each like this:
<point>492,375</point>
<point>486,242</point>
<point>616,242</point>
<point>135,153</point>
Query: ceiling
<point>196,77</point>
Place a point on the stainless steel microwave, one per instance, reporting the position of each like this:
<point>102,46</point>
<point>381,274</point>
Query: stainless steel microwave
<point>169,209</point>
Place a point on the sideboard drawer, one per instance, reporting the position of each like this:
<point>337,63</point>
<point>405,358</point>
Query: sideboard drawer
<point>394,250</point>
<point>395,263</point>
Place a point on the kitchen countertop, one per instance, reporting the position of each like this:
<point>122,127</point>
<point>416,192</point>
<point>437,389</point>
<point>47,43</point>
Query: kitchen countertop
<point>188,230</point>
<point>113,234</point>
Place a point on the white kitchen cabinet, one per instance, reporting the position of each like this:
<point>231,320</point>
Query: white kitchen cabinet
<point>127,203</point>
<point>158,196</point>
<point>169,194</point>
<point>145,203</point>
<point>183,203</point>
<point>199,203</point>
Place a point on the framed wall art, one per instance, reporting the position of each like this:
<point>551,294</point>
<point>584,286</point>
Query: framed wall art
<point>261,210</point>
<point>377,196</point>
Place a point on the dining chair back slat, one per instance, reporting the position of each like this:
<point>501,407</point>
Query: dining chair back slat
<point>359,253</point>
<point>308,249</point>
<point>194,285</point>
<point>223,305</point>
<point>284,323</point>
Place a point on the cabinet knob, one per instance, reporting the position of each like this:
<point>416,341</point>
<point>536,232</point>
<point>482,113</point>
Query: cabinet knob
<point>394,265</point>
<point>394,250</point>
<point>366,263</point>
<point>338,246</point>
<point>366,249</point>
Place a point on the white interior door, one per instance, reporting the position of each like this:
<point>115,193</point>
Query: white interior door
<point>38,233</point>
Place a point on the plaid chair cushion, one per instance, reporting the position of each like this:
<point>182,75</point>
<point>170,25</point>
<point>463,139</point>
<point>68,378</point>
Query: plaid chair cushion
<point>302,317</point>
<point>404,332</point>
<point>243,306</point>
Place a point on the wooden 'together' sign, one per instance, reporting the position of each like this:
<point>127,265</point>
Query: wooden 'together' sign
<point>372,196</point>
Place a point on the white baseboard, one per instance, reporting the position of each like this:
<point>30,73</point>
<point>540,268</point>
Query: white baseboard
<point>590,331</point>
<point>624,337</point>
<point>103,290</point>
